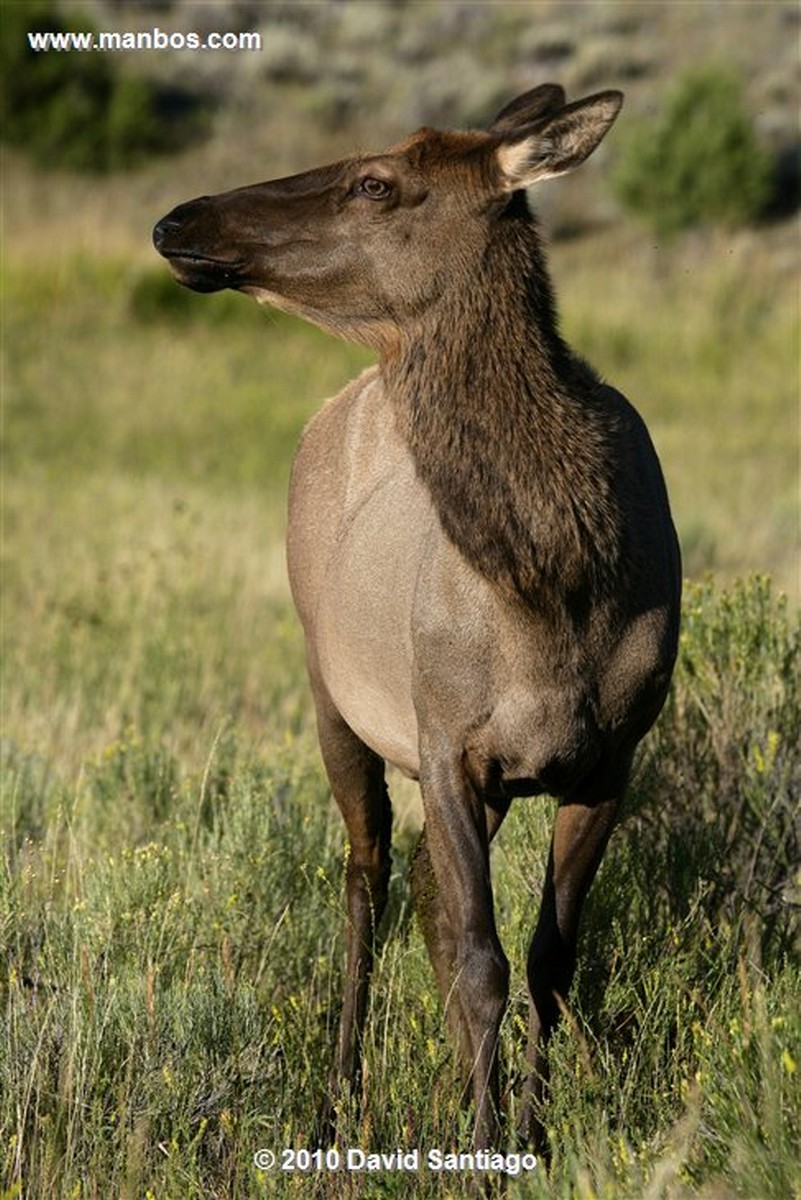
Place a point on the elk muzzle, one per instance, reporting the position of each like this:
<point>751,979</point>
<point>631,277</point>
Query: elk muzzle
<point>189,238</point>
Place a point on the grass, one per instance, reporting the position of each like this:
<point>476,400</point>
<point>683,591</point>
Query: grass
<point>145,486</point>
<point>171,890</point>
<point>174,959</point>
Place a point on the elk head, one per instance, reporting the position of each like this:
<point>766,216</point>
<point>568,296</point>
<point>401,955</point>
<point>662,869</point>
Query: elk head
<point>364,246</point>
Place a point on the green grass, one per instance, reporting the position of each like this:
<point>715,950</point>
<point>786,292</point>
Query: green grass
<point>145,483</point>
<point>174,960</point>
<point>171,904</point>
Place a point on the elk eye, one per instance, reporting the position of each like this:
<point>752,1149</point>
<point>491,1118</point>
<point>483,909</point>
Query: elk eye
<point>373,188</point>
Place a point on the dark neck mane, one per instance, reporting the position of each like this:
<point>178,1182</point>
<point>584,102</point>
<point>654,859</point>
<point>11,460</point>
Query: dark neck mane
<point>509,432</point>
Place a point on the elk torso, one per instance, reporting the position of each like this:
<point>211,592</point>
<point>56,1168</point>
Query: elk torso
<point>404,633</point>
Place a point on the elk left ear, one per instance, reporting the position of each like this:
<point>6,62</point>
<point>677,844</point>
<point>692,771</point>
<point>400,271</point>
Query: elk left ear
<point>543,101</point>
<point>558,143</point>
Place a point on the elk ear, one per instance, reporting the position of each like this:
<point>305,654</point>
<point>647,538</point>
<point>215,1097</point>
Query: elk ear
<point>542,101</point>
<point>556,143</point>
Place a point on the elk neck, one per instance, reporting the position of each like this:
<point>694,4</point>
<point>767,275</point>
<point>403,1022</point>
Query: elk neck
<point>509,430</point>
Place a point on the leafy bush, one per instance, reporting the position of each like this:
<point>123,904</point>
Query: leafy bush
<point>74,109</point>
<point>718,792</point>
<point>700,161</point>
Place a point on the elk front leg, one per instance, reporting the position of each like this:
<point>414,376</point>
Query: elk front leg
<point>356,776</point>
<point>437,932</point>
<point>580,834</point>
<point>471,967</point>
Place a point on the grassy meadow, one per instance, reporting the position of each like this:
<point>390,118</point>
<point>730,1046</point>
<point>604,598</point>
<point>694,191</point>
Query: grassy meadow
<point>171,899</point>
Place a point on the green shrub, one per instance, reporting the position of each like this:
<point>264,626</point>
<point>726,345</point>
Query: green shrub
<point>77,110</point>
<point>700,162</point>
<point>717,797</point>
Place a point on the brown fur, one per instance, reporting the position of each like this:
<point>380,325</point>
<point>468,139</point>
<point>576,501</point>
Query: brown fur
<point>480,545</point>
<point>483,417</point>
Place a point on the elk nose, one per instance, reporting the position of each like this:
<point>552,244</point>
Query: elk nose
<point>161,232</point>
<point>168,227</point>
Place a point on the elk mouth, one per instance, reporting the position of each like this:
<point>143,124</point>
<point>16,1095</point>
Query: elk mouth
<point>202,273</point>
<point>179,236</point>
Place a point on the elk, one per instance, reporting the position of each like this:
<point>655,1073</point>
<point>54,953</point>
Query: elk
<point>480,545</point>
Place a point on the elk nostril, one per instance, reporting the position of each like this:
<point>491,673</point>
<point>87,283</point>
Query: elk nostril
<point>163,228</point>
